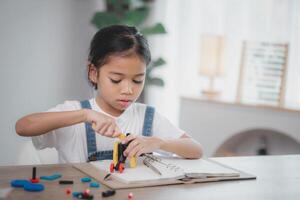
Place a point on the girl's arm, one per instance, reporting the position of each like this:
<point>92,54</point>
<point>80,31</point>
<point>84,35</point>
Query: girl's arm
<point>184,146</point>
<point>41,123</point>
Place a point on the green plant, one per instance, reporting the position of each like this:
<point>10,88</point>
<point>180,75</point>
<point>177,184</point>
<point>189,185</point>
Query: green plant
<point>133,13</point>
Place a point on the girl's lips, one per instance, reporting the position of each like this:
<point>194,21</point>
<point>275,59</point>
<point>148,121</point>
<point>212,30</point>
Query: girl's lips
<point>124,103</point>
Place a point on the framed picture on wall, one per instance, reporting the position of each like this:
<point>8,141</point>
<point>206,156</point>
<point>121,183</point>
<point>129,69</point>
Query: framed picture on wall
<point>263,73</point>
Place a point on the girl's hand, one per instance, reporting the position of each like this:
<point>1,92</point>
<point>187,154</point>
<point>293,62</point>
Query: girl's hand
<point>141,144</point>
<point>102,124</point>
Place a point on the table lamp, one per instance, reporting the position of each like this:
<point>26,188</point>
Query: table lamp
<point>212,62</point>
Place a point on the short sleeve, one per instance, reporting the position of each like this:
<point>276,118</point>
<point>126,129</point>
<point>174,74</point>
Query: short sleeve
<point>163,128</point>
<point>51,139</point>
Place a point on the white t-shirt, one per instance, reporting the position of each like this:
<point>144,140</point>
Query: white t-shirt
<point>70,142</point>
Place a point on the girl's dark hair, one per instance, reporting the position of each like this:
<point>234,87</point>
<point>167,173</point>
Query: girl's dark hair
<point>114,40</point>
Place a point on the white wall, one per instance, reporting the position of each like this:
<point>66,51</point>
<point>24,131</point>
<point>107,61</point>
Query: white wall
<point>215,123</point>
<point>43,51</point>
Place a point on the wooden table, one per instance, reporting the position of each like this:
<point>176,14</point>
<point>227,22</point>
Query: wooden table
<point>278,177</point>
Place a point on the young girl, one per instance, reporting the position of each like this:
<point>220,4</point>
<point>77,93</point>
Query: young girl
<point>86,130</point>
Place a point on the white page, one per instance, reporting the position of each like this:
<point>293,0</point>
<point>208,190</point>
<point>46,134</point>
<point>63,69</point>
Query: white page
<point>138,174</point>
<point>201,166</point>
<point>142,173</point>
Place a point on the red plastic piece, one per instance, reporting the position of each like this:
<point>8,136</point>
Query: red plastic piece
<point>86,193</point>
<point>130,196</point>
<point>36,180</point>
<point>111,168</point>
<point>68,191</point>
<point>121,167</point>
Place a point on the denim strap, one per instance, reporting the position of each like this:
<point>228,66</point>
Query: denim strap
<point>148,121</point>
<point>90,134</point>
<point>101,155</point>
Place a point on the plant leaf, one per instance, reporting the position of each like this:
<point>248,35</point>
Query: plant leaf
<point>101,19</point>
<point>158,28</point>
<point>136,17</point>
<point>154,81</point>
<point>155,64</point>
<point>118,6</point>
<point>158,62</point>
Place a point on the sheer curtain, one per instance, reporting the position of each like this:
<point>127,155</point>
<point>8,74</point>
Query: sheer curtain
<point>256,20</point>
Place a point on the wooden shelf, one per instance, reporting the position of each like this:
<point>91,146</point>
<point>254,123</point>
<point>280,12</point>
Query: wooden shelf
<point>233,103</point>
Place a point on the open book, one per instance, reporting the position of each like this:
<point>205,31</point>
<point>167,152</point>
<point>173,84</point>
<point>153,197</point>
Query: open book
<point>171,168</point>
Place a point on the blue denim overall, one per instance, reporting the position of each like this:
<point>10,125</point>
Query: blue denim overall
<point>93,154</point>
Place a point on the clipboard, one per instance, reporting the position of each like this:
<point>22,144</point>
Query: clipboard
<point>99,174</point>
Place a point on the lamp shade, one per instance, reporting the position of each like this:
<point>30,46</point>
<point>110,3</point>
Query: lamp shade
<point>212,55</point>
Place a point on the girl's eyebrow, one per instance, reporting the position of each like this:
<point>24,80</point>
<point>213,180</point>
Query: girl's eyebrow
<point>116,73</point>
<point>120,74</point>
<point>140,74</point>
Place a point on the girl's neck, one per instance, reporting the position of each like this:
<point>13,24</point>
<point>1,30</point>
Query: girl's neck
<point>108,108</point>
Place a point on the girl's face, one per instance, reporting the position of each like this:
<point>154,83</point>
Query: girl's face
<point>120,82</point>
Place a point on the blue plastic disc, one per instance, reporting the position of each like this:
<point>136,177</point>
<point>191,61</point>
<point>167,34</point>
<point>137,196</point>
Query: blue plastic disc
<point>75,194</point>
<point>51,178</point>
<point>86,179</point>
<point>94,185</point>
<point>19,183</point>
<point>33,187</point>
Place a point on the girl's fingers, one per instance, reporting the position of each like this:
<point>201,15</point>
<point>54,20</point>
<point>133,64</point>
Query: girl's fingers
<point>134,151</point>
<point>141,151</point>
<point>97,127</point>
<point>116,132</point>
<point>131,146</point>
<point>110,130</point>
<point>104,128</point>
<point>129,138</point>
